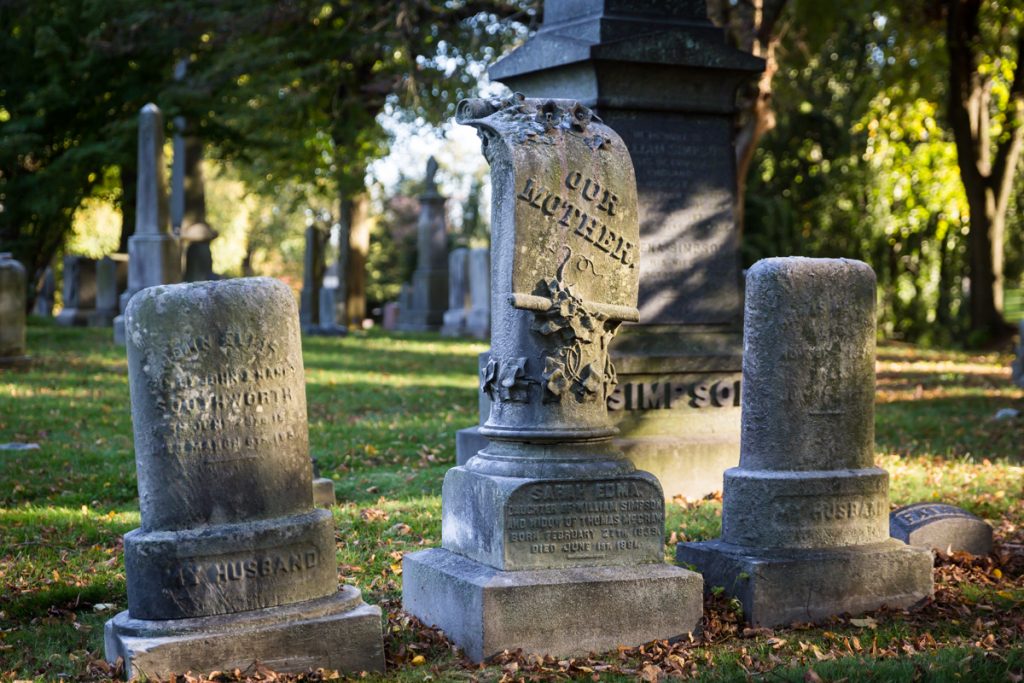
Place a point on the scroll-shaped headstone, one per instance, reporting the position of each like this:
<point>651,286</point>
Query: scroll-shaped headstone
<point>550,518</point>
<point>805,531</point>
<point>230,549</point>
<point>13,291</point>
<point>942,527</point>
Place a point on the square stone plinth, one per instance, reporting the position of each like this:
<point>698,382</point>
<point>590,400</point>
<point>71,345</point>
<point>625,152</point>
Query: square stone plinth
<point>338,632</point>
<point>561,612</point>
<point>780,586</point>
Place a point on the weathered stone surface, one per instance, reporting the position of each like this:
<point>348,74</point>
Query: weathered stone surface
<point>79,295</point>
<point>806,494</point>
<point>779,586</point>
<point>428,295</point>
<point>337,632</point>
<point>225,491</point>
<point>478,320</point>
<point>661,75</point>
<point>942,527</point>
<point>154,257</point>
<point>565,611</point>
<point>550,518</point>
<point>455,317</point>
<point>13,298</point>
<point>324,495</point>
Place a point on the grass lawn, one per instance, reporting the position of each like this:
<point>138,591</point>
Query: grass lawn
<point>383,411</point>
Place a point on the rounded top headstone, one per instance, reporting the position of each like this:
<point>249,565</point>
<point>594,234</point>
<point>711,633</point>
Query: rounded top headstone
<point>218,403</point>
<point>808,365</point>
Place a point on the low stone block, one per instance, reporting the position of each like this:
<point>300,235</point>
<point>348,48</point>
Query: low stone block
<point>780,586</point>
<point>323,493</point>
<point>469,442</point>
<point>941,527</point>
<point>572,611</point>
<point>337,632</point>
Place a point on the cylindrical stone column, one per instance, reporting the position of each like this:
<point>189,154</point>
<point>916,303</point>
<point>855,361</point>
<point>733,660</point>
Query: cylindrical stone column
<point>12,310</point>
<point>221,447</point>
<point>806,477</point>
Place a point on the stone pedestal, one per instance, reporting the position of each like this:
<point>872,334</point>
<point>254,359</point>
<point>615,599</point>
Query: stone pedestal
<point>13,300</point>
<point>552,541</point>
<point>455,317</point>
<point>232,563</point>
<point>79,292</point>
<point>154,256</point>
<point>805,526</point>
<point>429,289</point>
<point>665,79</point>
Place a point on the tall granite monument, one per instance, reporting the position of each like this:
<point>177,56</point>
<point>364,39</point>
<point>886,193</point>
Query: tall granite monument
<point>805,516</point>
<point>153,254</point>
<point>663,77</point>
<point>13,300</point>
<point>232,563</point>
<point>551,540</point>
<point>430,279</point>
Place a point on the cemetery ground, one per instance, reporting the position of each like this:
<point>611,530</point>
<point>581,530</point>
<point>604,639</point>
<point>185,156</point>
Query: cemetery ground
<point>383,411</point>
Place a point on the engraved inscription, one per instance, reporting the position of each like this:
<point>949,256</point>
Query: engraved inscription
<point>604,521</point>
<point>583,222</point>
<point>917,515</point>
<point>815,511</point>
<point>220,571</point>
<point>668,395</point>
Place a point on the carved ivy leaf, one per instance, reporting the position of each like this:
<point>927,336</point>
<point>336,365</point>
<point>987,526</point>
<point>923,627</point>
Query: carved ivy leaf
<point>509,376</point>
<point>554,376</point>
<point>488,375</point>
<point>591,381</point>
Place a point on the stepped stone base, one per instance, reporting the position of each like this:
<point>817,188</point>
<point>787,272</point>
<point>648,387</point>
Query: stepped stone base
<point>780,586</point>
<point>561,612</point>
<point>339,632</point>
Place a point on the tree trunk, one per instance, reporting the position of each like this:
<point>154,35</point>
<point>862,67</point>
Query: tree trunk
<point>128,182</point>
<point>358,250</point>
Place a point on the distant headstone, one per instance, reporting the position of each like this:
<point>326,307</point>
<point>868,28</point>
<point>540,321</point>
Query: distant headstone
<point>458,286</point>
<point>312,279</point>
<point>552,541</point>
<point>805,515</point>
<point>404,305</point>
<point>79,292</point>
<point>478,320</point>
<point>328,325</point>
<point>941,527</point>
<point>430,279</point>
<point>45,295</point>
<point>324,495</point>
<point>389,315</point>
<point>13,300</point>
<point>107,304</point>
<point>232,563</point>
<point>153,254</point>
<point>665,79</point>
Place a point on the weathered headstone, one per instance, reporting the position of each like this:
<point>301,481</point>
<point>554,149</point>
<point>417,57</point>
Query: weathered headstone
<point>44,297</point>
<point>13,300</point>
<point>430,279</point>
<point>805,525</point>
<point>478,320</point>
<point>232,563</point>
<point>551,540</point>
<point>942,527</point>
<point>458,286</point>
<point>404,305</point>
<point>328,324</point>
<point>664,78</point>
<point>324,495</point>
<point>389,316</point>
<point>153,254</point>
<point>79,292</point>
<point>107,304</point>
<point>312,279</point>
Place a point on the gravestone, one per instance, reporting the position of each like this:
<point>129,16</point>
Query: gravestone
<point>551,540</point>
<point>664,78</point>
<point>469,441</point>
<point>13,299</point>
<point>44,297</point>
<point>312,279</point>
<point>430,279</point>
<point>805,531</point>
<point>232,563</point>
<point>79,292</point>
<point>107,304</point>
<point>324,495</point>
<point>941,527</point>
<point>328,324</point>
<point>478,320</point>
<point>389,316</point>
<point>153,254</point>
<point>455,317</point>
<point>1017,371</point>
<point>404,304</point>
